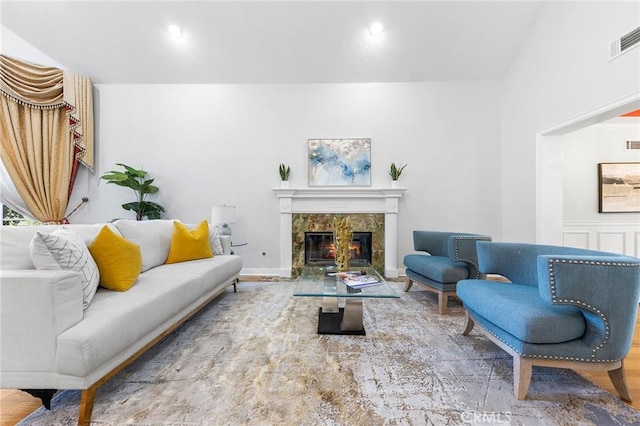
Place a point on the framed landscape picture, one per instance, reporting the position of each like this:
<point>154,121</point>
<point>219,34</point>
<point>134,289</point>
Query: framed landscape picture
<point>619,187</point>
<point>340,162</point>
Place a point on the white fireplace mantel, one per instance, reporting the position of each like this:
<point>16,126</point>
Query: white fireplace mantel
<point>340,200</point>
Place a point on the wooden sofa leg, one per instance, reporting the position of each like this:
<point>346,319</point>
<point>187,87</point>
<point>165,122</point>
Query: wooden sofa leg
<point>620,382</point>
<point>86,406</point>
<point>468,324</point>
<point>408,284</point>
<point>443,300</point>
<point>522,370</point>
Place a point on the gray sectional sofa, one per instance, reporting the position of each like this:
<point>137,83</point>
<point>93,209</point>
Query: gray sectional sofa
<point>47,339</point>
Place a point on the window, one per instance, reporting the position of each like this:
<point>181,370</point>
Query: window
<point>11,217</point>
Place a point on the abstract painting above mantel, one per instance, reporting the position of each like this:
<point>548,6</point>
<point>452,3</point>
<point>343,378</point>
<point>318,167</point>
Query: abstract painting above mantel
<point>340,162</point>
<point>619,187</point>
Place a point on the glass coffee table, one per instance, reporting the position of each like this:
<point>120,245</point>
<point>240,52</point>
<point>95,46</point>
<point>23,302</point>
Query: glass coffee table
<point>322,281</point>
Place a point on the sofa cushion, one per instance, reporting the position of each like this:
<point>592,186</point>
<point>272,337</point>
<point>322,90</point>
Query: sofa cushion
<point>64,250</point>
<point>119,260</point>
<point>116,322</point>
<point>517,309</point>
<point>89,231</point>
<point>437,268</point>
<point>153,237</point>
<point>15,245</point>
<point>189,244</point>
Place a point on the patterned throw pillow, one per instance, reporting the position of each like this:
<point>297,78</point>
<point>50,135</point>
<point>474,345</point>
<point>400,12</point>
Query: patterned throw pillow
<point>64,250</point>
<point>214,240</point>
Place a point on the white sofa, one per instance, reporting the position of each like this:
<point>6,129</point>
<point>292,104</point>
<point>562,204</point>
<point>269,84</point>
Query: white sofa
<point>47,339</point>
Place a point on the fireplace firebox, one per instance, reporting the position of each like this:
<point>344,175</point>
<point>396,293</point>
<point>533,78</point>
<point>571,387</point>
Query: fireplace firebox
<point>319,248</point>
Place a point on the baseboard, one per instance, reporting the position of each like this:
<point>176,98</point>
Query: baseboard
<point>277,272</point>
<point>266,272</point>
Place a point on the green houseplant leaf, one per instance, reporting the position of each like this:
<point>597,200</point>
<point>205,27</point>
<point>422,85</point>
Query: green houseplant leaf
<point>395,171</point>
<point>135,180</point>
<point>284,171</point>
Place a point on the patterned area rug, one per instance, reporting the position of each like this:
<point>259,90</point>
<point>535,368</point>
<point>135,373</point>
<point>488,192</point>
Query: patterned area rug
<point>253,357</point>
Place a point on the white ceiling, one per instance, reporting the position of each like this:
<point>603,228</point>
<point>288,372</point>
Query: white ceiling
<point>275,42</point>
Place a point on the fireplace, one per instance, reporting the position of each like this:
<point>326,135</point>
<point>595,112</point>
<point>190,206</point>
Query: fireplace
<point>319,248</point>
<point>371,209</point>
<point>363,225</point>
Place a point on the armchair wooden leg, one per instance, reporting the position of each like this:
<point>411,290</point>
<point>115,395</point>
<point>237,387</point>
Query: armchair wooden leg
<point>522,370</point>
<point>408,284</point>
<point>86,405</point>
<point>468,325</point>
<point>620,382</point>
<point>443,300</point>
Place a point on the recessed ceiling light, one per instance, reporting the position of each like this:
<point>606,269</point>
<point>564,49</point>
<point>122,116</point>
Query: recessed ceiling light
<point>175,31</point>
<point>376,29</point>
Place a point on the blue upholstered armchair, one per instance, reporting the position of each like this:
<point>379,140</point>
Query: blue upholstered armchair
<point>564,307</point>
<point>451,257</point>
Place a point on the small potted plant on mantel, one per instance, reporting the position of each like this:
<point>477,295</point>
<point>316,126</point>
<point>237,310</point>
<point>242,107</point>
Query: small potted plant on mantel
<point>284,171</point>
<point>395,172</point>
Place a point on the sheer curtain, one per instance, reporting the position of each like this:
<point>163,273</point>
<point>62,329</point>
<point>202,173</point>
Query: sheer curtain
<point>46,130</point>
<point>9,195</point>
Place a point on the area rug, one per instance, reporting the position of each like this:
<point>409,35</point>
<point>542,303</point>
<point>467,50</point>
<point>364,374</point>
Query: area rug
<point>254,358</point>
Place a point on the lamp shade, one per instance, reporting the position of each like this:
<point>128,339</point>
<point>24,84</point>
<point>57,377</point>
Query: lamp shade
<point>223,215</point>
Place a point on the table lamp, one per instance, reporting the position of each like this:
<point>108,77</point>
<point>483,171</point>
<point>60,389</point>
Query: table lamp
<point>223,215</point>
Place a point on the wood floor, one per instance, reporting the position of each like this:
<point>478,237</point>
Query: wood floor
<point>16,405</point>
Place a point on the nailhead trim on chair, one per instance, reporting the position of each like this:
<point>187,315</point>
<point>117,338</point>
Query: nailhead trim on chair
<point>455,244</point>
<point>555,300</point>
<point>543,356</point>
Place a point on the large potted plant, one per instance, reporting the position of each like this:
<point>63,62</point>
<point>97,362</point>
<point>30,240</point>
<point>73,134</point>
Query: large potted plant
<point>135,180</point>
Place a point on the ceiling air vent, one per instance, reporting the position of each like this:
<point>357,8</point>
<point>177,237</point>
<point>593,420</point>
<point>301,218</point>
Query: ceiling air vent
<point>633,144</point>
<point>624,43</point>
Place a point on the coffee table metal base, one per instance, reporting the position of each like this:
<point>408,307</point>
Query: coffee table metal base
<point>340,322</point>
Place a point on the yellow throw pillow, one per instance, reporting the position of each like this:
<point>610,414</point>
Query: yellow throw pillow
<point>189,244</point>
<point>119,260</point>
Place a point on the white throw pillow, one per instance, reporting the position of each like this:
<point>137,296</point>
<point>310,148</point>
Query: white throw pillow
<point>89,231</point>
<point>14,247</point>
<point>153,237</point>
<point>64,250</point>
<point>214,240</point>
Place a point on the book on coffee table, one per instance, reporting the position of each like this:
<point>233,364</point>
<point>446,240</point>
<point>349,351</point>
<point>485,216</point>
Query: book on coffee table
<point>358,279</point>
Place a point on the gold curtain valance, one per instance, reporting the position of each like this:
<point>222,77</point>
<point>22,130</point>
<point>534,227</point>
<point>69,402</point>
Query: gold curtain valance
<point>41,87</point>
<point>31,85</point>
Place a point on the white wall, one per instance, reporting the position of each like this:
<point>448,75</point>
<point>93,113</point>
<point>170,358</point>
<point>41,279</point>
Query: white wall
<point>13,45</point>
<point>582,150</point>
<point>215,144</point>
<point>561,72</point>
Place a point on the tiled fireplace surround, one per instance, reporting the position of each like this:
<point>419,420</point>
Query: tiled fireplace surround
<point>313,209</point>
